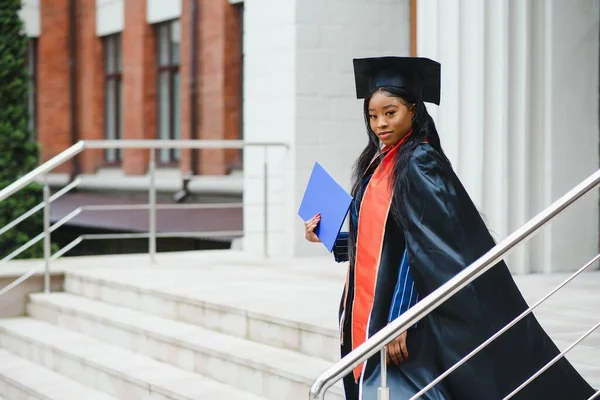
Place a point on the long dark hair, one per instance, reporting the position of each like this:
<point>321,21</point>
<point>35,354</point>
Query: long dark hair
<point>423,128</point>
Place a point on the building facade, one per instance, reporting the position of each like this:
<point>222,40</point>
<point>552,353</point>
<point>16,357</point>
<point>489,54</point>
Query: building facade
<point>519,115</point>
<point>518,118</point>
<point>136,69</point>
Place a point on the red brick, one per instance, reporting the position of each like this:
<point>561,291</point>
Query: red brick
<point>218,82</point>
<point>139,84</point>
<point>90,84</point>
<point>53,128</point>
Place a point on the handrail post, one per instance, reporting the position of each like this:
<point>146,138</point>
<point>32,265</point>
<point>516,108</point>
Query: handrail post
<point>266,203</point>
<point>383,393</point>
<point>46,235</point>
<point>152,206</point>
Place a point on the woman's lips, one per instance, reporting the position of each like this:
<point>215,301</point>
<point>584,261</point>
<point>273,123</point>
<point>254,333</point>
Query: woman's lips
<point>384,135</point>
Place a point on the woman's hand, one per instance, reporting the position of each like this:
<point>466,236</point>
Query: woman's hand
<point>397,350</point>
<point>309,229</point>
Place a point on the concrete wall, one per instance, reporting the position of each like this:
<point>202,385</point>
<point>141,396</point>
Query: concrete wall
<point>329,119</point>
<point>14,302</point>
<point>299,89</point>
<point>269,115</point>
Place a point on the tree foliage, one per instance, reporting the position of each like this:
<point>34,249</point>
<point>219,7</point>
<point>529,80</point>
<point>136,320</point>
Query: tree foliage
<point>18,151</point>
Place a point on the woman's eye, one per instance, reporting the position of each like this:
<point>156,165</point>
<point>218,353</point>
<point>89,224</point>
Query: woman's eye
<point>372,116</point>
<point>390,113</point>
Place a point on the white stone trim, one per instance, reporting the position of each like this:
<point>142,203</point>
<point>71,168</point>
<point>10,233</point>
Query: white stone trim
<point>30,14</point>
<point>110,17</point>
<point>162,10</point>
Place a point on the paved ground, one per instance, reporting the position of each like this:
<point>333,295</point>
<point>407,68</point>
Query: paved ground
<point>307,290</point>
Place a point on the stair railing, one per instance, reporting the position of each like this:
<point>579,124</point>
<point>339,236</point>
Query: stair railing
<point>41,173</point>
<point>379,341</point>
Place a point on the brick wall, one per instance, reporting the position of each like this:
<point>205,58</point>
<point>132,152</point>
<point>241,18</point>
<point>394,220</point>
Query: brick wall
<point>90,85</point>
<point>218,82</point>
<point>53,128</point>
<point>139,84</point>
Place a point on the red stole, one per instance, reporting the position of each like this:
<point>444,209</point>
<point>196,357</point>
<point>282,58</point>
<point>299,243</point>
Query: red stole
<point>372,219</point>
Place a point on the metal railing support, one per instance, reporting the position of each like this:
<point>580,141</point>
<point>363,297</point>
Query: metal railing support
<point>44,169</point>
<point>152,206</point>
<point>47,234</point>
<point>383,393</point>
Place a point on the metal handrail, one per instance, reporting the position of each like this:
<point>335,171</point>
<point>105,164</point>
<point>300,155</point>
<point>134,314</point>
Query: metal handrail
<point>507,327</point>
<point>152,145</point>
<point>77,148</point>
<point>41,170</point>
<point>40,206</point>
<point>378,341</point>
<point>552,362</point>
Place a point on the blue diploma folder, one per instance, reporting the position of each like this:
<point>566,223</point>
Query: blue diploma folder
<point>324,195</point>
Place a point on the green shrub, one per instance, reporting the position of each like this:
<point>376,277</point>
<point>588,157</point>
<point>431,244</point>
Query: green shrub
<point>18,151</point>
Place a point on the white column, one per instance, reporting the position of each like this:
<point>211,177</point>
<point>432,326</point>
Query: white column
<point>538,158</point>
<point>496,115</point>
<point>449,45</point>
<point>269,115</point>
<point>471,106</point>
<point>428,29</point>
<point>519,132</point>
<point>573,117</point>
<point>519,119</point>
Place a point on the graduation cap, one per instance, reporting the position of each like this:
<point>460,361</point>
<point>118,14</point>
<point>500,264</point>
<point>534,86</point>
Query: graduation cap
<point>418,76</point>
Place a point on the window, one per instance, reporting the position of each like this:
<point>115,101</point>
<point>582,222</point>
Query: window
<point>169,107</point>
<point>113,100</point>
<point>31,93</point>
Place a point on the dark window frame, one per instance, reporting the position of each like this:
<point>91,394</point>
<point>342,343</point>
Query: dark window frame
<point>170,68</point>
<point>113,75</point>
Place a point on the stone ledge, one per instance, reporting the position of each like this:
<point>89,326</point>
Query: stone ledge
<point>168,180</point>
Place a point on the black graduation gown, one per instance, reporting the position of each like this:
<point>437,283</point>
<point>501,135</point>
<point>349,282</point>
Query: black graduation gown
<point>444,234</point>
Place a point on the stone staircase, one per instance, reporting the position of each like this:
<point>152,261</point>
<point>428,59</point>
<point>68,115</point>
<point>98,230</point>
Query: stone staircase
<point>213,325</point>
<point>109,339</point>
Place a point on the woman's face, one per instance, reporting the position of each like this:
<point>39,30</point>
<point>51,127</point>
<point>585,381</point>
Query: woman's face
<point>389,118</point>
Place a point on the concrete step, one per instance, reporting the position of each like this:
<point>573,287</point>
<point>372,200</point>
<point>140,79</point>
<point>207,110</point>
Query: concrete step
<point>112,370</point>
<point>145,294</point>
<point>22,379</point>
<point>254,367</point>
